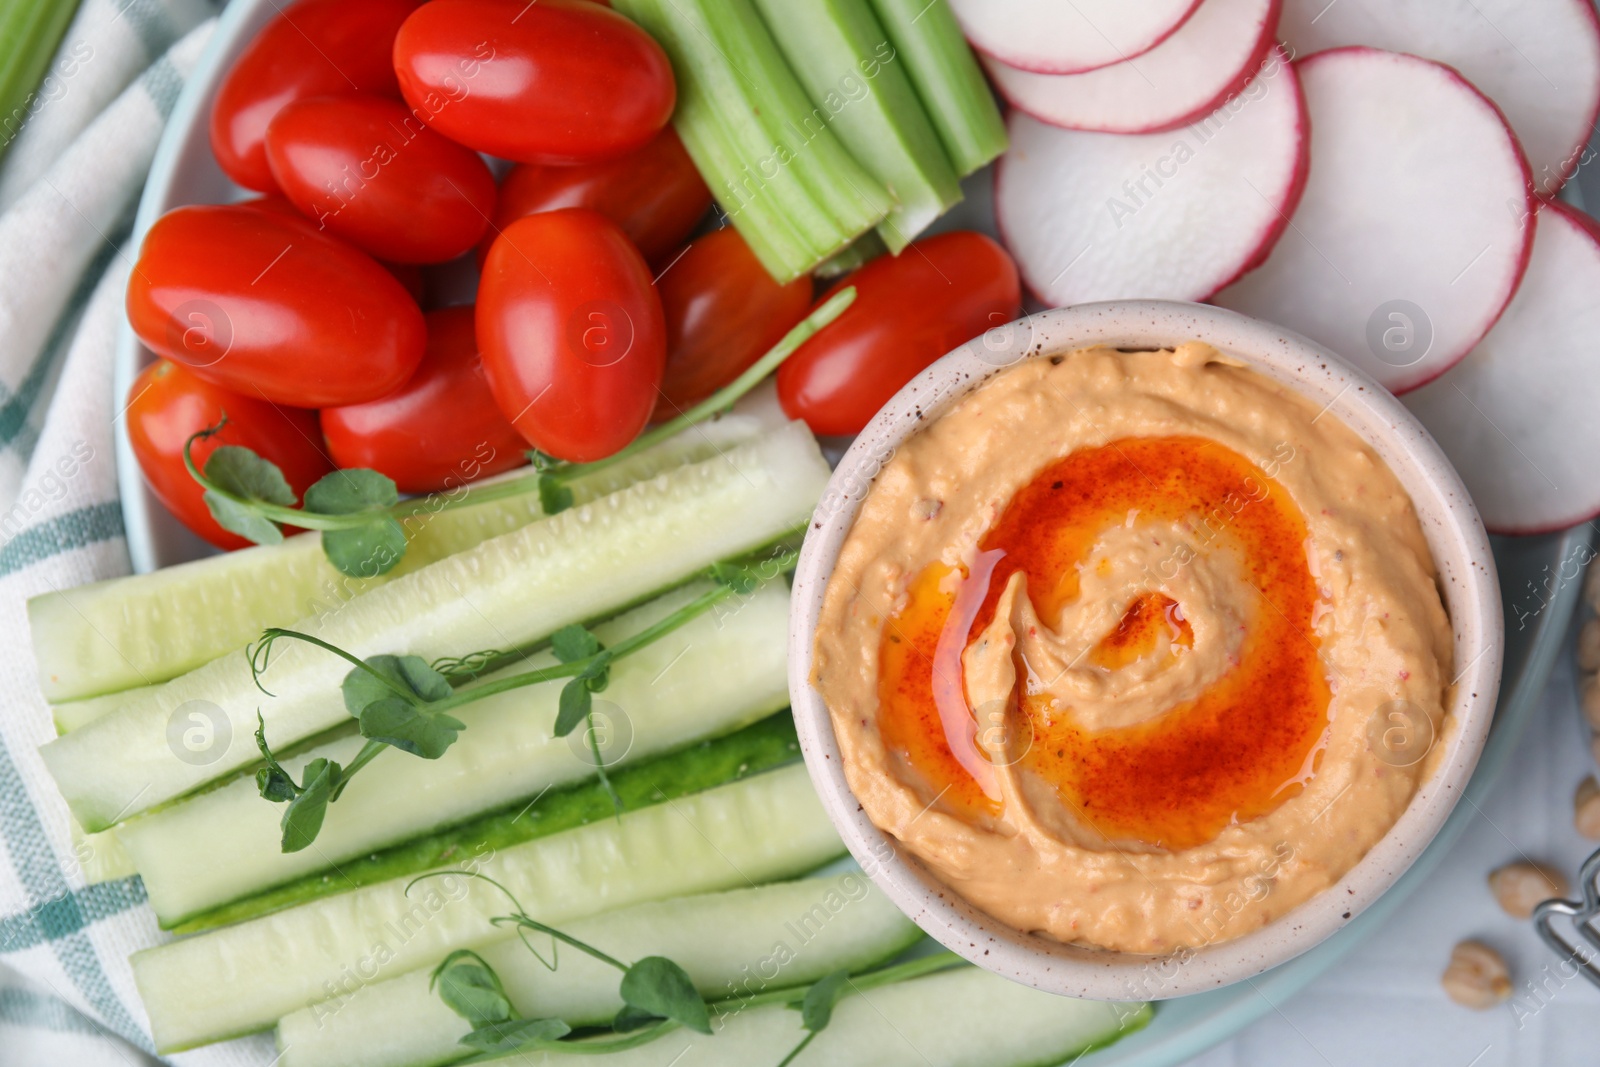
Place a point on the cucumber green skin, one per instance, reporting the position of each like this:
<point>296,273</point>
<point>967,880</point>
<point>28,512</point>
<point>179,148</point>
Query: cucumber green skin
<point>837,45</point>
<point>130,632</point>
<point>507,592</point>
<point>793,215</point>
<point>729,943</point>
<point>245,978</point>
<point>954,92</point>
<point>764,746</point>
<point>966,1017</point>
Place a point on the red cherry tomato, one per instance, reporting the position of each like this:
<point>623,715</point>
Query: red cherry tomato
<point>723,312</point>
<point>654,193</point>
<point>362,167</point>
<point>266,306</point>
<point>409,275</point>
<point>310,48</point>
<point>559,81</point>
<point>439,430</point>
<point>909,310</point>
<point>167,404</point>
<point>571,331</point>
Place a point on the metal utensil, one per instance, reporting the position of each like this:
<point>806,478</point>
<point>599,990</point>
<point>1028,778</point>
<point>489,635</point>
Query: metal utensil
<point>1585,952</point>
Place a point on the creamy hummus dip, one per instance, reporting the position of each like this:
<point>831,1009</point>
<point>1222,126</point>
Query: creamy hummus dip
<point>1136,650</point>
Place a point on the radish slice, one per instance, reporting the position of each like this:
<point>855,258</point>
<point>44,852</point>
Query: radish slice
<point>1517,416</point>
<point>1105,216</point>
<point>1068,36</point>
<point>1410,238</point>
<point>1183,78</point>
<point>1538,59</point>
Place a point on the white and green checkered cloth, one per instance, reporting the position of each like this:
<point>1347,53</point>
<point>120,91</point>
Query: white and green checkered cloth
<point>69,184</point>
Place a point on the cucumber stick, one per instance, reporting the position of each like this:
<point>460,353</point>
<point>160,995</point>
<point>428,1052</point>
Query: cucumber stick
<point>76,714</point>
<point>792,190</point>
<point>245,978</point>
<point>733,943</point>
<point>507,592</point>
<point>764,746</point>
<point>953,90</point>
<point>148,628</point>
<point>714,675</point>
<point>852,72</point>
<point>964,1017</point>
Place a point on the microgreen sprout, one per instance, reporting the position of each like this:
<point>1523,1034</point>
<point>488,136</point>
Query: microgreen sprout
<point>359,511</point>
<point>404,702</point>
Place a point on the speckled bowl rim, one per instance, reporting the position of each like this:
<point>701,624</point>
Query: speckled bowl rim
<point>1467,582</point>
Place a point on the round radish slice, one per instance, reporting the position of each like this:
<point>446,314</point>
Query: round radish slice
<point>1068,36</point>
<point>1409,240</point>
<point>1105,216</point>
<point>1538,59</point>
<point>1517,416</point>
<point>1184,77</point>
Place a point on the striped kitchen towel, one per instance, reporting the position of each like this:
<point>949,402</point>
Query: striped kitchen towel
<point>78,152</point>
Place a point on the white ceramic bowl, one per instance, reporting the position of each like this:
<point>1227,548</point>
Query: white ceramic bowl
<point>1466,580</point>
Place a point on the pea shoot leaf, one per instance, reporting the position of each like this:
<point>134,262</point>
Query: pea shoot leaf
<point>631,1018</point>
<point>740,577</point>
<point>345,492</point>
<point>554,496</point>
<point>657,985</point>
<point>525,1034</point>
<point>410,727</point>
<point>410,673</point>
<point>276,785</point>
<point>573,642</point>
<point>816,1010</point>
<point>574,706</point>
<point>238,518</point>
<point>302,819</point>
<point>241,473</point>
<point>368,550</point>
<point>471,989</point>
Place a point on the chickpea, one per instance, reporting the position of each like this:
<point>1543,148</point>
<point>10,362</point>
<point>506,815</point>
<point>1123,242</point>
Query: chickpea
<point>1589,698</point>
<point>1591,588</point>
<point>1589,646</point>
<point>1586,808</point>
<point>1520,886</point>
<point>1477,977</point>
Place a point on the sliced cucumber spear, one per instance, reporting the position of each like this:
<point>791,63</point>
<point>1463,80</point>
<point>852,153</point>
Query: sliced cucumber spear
<point>718,673</point>
<point>506,593</point>
<point>732,944</point>
<point>245,978</point>
<point>859,87</point>
<point>148,628</point>
<point>964,1017</point>
<point>954,92</point>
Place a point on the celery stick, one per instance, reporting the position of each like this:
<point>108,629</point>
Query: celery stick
<point>845,61</point>
<point>245,978</point>
<point>868,246</point>
<point>30,30</point>
<point>766,152</point>
<point>718,673</point>
<point>947,77</point>
<point>764,746</point>
<point>506,593</point>
<point>733,943</point>
<point>147,628</point>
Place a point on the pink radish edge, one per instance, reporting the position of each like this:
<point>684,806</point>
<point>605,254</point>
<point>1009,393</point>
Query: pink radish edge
<point>1263,46</point>
<point>1022,65</point>
<point>1593,16</point>
<point>1269,236</point>
<point>1530,203</point>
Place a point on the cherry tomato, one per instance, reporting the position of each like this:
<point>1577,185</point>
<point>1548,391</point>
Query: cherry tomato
<point>909,310</point>
<point>266,306</point>
<point>559,81</point>
<point>439,430</point>
<point>572,333</point>
<point>409,275</point>
<point>723,312</point>
<point>654,193</point>
<point>167,404</point>
<point>311,48</point>
<point>362,167</point>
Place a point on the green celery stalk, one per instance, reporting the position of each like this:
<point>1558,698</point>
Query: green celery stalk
<point>954,92</point>
<point>857,81</point>
<point>30,31</point>
<point>789,186</point>
<point>759,747</point>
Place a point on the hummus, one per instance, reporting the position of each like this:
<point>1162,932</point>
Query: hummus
<point>1136,650</point>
